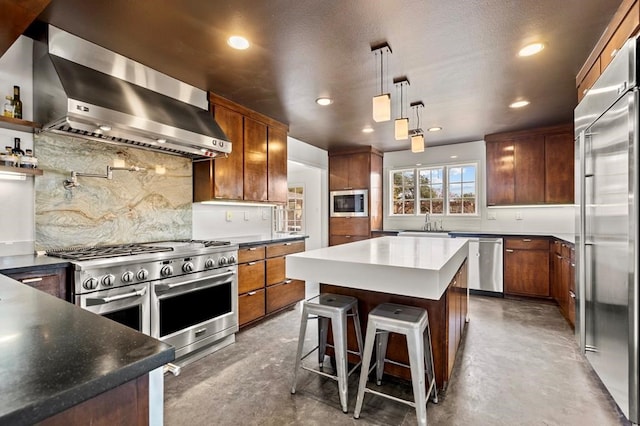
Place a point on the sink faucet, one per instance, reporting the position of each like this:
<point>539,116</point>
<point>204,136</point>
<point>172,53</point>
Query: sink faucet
<point>427,222</point>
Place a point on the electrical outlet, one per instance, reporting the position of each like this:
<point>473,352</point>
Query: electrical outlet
<point>518,215</point>
<point>229,216</point>
<point>246,216</point>
<point>491,215</point>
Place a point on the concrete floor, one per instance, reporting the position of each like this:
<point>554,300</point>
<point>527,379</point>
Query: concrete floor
<point>518,365</point>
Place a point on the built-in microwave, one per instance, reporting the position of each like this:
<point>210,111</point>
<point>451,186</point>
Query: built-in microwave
<point>350,203</point>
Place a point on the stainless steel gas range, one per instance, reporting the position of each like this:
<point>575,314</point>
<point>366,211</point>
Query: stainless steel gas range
<point>184,293</point>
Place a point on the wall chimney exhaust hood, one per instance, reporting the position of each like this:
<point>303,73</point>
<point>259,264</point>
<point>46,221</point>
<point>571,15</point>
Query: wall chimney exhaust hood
<point>86,91</point>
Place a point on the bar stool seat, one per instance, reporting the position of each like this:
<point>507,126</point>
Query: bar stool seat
<point>412,322</point>
<point>335,308</point>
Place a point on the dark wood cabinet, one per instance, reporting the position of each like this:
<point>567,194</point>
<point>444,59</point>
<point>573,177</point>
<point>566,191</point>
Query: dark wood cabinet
<point>526,267</point>
<point>50,280</point>
<point>530,167</point>
<point>263,286</point>
<point>559,168</point>
<point>256,169</point>
<point>624,24</point>
<point>457,308</point>
<point>358,168</point>
<point>222,178</point>
<point>562,278</point>
<point>255,160</point>
<point>277,162</point>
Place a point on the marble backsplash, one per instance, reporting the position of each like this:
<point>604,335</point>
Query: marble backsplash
<point>132,207</point>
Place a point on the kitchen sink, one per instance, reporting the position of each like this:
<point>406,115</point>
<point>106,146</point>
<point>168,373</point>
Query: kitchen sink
<point>422,233</point>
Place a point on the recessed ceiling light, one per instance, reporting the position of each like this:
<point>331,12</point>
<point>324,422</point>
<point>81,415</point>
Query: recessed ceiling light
<point>454,156</point>
<point>531,49</point>
<point>434,129</point>
<point>324,101</point>
<point>367,130</point>
<point>519,104</point>
<point>238,42</point>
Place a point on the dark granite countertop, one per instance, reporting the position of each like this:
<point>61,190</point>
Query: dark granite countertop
<point>30,261</point>
<point>254,240</point>
<point>570,238</point>
<point>54,355</point>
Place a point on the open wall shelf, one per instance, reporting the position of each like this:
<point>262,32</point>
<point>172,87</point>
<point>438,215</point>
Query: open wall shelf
<point>18,124</point>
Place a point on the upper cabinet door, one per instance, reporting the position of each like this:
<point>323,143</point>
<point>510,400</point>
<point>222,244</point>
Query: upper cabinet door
<point>350,171</point>
<point>559,167</point>
<point>529,170</point>
<point>500,173</point>
<point>228,171</point>
<point>255,160</point>
<point>277,165</point>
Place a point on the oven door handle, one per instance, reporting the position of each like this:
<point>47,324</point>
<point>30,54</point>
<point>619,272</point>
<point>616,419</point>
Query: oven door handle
<point>166,287</point>
<point>92,301</point>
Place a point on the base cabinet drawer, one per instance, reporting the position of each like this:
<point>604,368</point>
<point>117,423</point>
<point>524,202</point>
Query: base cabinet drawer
<point>282,249</point>
<point>276,270</point>
<point>249,254</point>
<point>51,281</point>
<point>251,306</point>
<point>250,276</point>
<point>284,294</point>
<point>335,240</point>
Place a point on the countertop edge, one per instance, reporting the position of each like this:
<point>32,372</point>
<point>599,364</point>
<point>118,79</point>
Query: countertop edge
<point>268,241</point>
<point>42,410</point>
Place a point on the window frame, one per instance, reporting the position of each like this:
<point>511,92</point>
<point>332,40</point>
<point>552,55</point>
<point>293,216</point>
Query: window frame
<point>446,189</point>
<point>288,211</point>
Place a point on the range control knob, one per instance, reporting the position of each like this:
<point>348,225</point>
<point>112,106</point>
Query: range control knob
<point>90,283</point>
<point>127,277</point>
<point>166,270</point>
<point>108,280</point>
<point>232,260</point>
<point>187,267</point>
<point>209,263</point>
<point>143,274</point>
<point>222,261</point>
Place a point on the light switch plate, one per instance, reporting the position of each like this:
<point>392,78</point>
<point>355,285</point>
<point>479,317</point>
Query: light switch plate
<point>518,215</point>
<point>491,216</point>
<point>229,216</point>
<point>246,216</point>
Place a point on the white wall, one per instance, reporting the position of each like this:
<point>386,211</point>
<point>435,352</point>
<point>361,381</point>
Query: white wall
<point>17,197</point>
<point>219,220</point>
<point>550,219</point>
<point>309,165</point>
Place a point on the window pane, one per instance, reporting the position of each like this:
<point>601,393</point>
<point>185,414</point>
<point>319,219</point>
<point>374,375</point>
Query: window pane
<point>397,208</point>
<point>437,206</point>
<point>436,175</point>
<point>455,191</point>
<point>469,205</point>
<point>469,174</point>
<point>469,190</point>
<point>408,207</point>
<point>455,205</point>
<point>455,174</point>
<point>437,191</point>
<point>408,177</point>
<point>425,207</point>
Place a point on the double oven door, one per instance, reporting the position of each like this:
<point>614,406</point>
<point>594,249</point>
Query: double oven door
<point>192,311</point>
<point>128,305</point>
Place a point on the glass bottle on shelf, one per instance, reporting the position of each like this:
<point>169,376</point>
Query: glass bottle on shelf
<point>7,111</point>
<point>17,103</point>
<point>16,147</point>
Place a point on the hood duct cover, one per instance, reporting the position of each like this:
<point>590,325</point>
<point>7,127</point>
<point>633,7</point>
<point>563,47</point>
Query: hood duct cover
<point>86,91</point>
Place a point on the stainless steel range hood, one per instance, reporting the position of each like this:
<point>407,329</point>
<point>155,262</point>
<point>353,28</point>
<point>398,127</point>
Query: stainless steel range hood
<point>84,90</point>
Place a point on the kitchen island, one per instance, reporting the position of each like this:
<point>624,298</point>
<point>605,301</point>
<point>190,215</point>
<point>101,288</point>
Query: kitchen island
<point>62,364</point>
<point>426,272</point>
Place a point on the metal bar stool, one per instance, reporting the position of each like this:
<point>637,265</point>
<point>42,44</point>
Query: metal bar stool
<point>332,307</point>
<point>414,324</point>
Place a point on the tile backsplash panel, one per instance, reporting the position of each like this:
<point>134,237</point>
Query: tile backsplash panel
<point>132,207</point>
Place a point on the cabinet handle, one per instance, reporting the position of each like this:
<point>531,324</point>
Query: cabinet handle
<point>584,92</point>
<point>251,263</point>
<point>347,236</point>
<point>572,294</point>
<point>614,52</point>
<point>287,281</point>
<point>252,249</point>
<point>573,265</point>
<point>287,244</point>
<point>526,240</point>
<point>558,256</point>
<point>508,250</point>
<point>252,293</point>
<point>31,280</point>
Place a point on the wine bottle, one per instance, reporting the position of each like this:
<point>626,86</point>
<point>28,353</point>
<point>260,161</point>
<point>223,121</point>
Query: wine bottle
<point>8,107</point>
<point>17,103</point>
<point>16,147</point>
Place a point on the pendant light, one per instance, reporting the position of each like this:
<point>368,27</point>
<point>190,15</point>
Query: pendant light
<point>402,123</point>
<point>417,135</point>
<point>381,102</point>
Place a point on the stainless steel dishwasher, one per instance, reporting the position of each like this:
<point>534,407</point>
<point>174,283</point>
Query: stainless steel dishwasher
<point>485,266</point>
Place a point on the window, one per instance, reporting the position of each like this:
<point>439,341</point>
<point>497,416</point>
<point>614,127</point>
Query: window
<point>442,190</point>
<point>295,210</point>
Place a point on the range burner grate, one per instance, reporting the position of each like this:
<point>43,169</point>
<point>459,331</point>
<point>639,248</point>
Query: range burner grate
<point>102,252</point>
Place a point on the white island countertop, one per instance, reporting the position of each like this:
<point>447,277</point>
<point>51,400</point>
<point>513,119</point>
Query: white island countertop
<point>408,266</point>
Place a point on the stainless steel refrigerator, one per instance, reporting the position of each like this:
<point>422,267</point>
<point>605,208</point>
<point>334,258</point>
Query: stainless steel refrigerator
<point>606,129</point>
